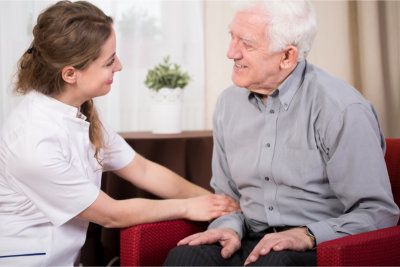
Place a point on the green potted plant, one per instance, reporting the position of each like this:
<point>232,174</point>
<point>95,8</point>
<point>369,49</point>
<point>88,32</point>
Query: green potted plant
<point>166,75</point>
<point>166,82</point>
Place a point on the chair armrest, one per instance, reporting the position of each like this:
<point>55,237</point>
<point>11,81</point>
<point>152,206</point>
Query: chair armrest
<point>374,248</point>
<point>149,244</point>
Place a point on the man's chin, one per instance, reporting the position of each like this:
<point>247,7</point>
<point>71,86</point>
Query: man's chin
<point>239,83</point>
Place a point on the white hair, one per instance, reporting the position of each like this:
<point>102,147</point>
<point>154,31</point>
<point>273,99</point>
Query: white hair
<point>289,22</point>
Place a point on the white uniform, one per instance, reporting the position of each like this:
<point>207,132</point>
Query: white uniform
<point>48,175</point>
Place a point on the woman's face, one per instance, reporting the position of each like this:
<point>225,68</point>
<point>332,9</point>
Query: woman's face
<point>96,80</point>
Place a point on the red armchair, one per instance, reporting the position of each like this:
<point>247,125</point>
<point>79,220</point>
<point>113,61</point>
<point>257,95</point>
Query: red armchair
<point>148,244</point>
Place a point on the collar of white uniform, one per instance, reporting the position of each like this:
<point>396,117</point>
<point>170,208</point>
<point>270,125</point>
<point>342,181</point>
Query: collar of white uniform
<point>58,106</point>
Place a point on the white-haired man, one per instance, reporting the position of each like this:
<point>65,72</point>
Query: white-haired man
<point>301,150</point>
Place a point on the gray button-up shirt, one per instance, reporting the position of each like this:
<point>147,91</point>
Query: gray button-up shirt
<point>313,154</point>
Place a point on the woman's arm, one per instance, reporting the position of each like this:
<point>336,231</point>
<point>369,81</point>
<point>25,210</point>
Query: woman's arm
<point>158,180</point>
<point>186,201</point>
<point>112,213</point>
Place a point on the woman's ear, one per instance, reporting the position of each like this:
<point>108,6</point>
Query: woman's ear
<point>289,57</point>
<point>69,74</point>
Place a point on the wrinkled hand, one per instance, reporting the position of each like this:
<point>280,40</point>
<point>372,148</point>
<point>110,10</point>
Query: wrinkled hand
<point>293,239</point>
<point>228,239</point>
<point>207,207</point>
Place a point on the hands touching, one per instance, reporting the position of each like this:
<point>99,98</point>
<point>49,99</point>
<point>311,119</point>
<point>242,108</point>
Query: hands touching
<point>228,239</point>
<point>210,206</point>
<point>293,239</point>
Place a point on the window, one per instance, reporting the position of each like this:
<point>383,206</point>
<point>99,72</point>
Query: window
<point>147,31</point>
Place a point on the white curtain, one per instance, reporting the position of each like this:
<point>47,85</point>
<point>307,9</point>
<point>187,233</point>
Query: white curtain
<point>147,31</point>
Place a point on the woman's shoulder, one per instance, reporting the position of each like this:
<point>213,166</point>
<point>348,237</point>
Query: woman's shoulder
<point>30,125</point>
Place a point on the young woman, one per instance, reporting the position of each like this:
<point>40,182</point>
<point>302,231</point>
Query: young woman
<point>54,148</point>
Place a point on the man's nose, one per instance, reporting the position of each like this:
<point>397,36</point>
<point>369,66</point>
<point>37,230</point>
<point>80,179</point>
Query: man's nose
<point>234,51</point>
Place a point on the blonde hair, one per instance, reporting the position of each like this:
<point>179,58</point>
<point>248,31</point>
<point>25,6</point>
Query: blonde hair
<point>66,34</point>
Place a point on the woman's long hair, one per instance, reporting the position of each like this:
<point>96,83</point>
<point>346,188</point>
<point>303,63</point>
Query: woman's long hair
<point>66,34</point>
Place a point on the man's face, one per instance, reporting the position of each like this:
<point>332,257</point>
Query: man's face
<point>255,67</point>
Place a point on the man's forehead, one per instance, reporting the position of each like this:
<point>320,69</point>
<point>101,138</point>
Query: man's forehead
<point>249,18</point>
<point>247,25</point>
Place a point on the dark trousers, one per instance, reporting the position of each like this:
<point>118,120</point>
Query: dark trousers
<point>210,255</point>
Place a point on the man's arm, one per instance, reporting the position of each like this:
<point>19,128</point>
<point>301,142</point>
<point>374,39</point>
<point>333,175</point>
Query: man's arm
<point>357,174</point>
<point>228,229</point>
<point>221,180</point>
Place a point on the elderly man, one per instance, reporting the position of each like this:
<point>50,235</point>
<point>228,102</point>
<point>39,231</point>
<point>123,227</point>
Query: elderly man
<point>301,150</point>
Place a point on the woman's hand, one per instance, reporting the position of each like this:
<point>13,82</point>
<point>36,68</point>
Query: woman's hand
<point>210,206</point>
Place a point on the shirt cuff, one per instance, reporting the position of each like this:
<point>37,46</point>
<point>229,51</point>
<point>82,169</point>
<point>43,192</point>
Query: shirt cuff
<point>324,232</point>
<point>233,221</point>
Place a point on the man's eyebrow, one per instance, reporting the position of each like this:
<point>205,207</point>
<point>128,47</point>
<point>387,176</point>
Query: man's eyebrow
<point>246,38</point>
<point>243,37</point>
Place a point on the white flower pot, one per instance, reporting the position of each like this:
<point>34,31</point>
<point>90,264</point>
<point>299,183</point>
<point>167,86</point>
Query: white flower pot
<point>166,110</point>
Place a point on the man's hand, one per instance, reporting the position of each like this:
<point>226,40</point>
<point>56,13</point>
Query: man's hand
<point>293,239</point>
<point>228,239</point>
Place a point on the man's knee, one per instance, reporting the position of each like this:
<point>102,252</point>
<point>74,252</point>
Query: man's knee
<point>183,256</point>
<point>287,258</point>
<point>202,255</point>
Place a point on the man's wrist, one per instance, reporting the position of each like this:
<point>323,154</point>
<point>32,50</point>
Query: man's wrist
<point>311,236</point>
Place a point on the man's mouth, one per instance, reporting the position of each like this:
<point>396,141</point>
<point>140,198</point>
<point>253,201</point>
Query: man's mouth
<point>239,66</point>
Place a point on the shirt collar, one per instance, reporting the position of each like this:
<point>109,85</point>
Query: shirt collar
<point>57,106</point>
<point>290,85</point>
<point>286,90</point>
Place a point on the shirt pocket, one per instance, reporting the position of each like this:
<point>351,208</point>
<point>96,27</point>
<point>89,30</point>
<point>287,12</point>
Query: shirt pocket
<point>302,168</point>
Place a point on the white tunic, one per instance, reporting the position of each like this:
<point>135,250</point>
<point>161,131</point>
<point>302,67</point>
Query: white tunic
<point>48,175</point>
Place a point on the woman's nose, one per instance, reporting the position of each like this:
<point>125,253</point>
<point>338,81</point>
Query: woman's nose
<point>118,65</point>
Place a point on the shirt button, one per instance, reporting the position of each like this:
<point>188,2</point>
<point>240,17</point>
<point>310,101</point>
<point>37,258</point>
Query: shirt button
<point>270,208</point>
<point>272,111</point>
<point>267,145</point>
<point>267,179</point>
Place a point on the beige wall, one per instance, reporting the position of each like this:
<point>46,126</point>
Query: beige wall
<point>218,15</point>
<point>332,49</point>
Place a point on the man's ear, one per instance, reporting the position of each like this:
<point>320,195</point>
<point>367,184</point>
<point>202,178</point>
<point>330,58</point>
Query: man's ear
<point>289,57</point>
<point>68,74</point>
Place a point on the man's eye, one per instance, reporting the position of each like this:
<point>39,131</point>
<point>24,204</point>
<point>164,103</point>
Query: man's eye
<point>247,45</point>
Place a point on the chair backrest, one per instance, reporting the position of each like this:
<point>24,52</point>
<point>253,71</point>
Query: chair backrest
<point>392,158</point>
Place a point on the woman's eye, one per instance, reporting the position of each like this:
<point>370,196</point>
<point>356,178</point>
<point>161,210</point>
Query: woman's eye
<point>111,62</point>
